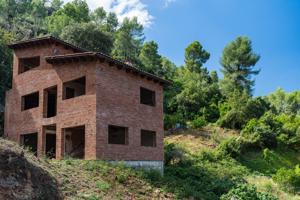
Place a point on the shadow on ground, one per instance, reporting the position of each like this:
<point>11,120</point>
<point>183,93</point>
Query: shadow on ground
<point>23,179</point>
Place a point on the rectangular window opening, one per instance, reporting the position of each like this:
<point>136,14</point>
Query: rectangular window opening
<point>50,102</point>
<point>117,135</point>
<point>26,64</point>
<point>74,88</point>
<point>30,141</point>
<point>75,142</point>
<point>147,97</point>
<point>148,138</point>
<point>50,136</point>
<point>30,101</point>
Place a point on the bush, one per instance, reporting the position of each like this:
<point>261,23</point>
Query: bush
<point>198,122</point>
<point>232,147</point>
<point>288,179</point>
<point>173,154</point>
<point>259,134</point>
<point>103,185</point>
<point>246,192</point>
<point>171,121</point>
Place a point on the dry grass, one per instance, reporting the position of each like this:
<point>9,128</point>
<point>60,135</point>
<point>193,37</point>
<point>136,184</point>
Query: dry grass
<point>195,141</point>
<point>266,184</point>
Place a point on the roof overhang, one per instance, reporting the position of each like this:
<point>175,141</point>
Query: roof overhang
<point>44,41</point>
<point>91,56</point>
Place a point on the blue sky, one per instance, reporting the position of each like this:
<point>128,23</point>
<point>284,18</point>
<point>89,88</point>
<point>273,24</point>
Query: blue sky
<point>272,25</point>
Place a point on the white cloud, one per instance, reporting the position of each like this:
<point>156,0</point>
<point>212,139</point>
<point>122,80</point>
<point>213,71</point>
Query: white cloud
<point>124,8</point>
<point>168,2</point>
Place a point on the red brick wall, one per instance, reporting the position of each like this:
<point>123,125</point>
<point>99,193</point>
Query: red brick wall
<point>118,103</point>
<point>71,112</point>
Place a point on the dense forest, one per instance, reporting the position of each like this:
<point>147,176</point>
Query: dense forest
<point>196,98</point>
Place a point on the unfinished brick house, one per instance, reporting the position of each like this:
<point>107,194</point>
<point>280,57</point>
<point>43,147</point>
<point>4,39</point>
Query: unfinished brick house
<point>68,102</point>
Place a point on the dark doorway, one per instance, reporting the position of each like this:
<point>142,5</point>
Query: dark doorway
<point>30,141</point>
<point>50,141</point>
<point>50,102</point>
<point>50,145</point>
<point>74,142</point>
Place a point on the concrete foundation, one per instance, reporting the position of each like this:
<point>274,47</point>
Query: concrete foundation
<point>147,165</point>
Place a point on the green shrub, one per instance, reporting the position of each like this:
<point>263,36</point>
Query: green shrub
<point>232,147</point>
<point>122,176</point>
<point>198,122</point>
<point>173,154</point>
<point>259,134</point>
<point>288,179</point>
<point>246,192</point>
<point>103,185</point>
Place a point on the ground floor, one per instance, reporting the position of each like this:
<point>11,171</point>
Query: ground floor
<point>73,142</point>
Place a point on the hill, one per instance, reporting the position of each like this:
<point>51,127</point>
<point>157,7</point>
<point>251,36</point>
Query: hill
<point>23,176</point>
<point>193,171</point>
<point>253,166</point>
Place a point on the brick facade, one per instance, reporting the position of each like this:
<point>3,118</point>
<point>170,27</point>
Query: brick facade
<point>112,97</point>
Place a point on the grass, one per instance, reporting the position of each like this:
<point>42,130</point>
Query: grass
<point>84,179</point>
<point>254,167</point>
<point>266,184</point>
<point>259,162</point>
<point>196,141</point>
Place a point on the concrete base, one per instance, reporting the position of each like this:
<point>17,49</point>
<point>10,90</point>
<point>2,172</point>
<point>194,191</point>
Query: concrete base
<point>147,165</point>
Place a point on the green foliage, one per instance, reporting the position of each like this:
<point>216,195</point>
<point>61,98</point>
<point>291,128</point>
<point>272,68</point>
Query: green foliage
<point>173,154</point>
<point>246,192</point>
<point>80,34</point>
<point>103,185</point>
<point>240,108</point>
<point>232,147</point>
<point>195,57</point>
<point>128,41</point>
<point>198,122</point>
<point>260,134</point>
<point>238,60</point>
<point>285,103</point>
<point>288,179</point>
<point>197,95</point>
<point>122,176</point>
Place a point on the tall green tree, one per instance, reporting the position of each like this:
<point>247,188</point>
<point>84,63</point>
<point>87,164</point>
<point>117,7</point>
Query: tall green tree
<point>76,11</point>
<point>195,56</point>
<point>88,36</point>
<point>238,61</point>
<point>128,41</point>
<point>150,59</point>
<point>5,71</point>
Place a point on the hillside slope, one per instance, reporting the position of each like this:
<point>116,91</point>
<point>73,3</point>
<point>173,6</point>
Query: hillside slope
<point>256,169</point>
<point>192,172</point>
<point>23,176</point>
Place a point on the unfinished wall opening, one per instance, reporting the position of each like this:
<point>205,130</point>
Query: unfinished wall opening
<point>50,102</point>
<point>74,88</point>
<point>148,138</point>
<point>117,135</point>
<point>26,64</point>
<point>30,101</point>
<point>30,141</point>
<point>147,97</point>
<point>50,141</point>
<point>74,142</point>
